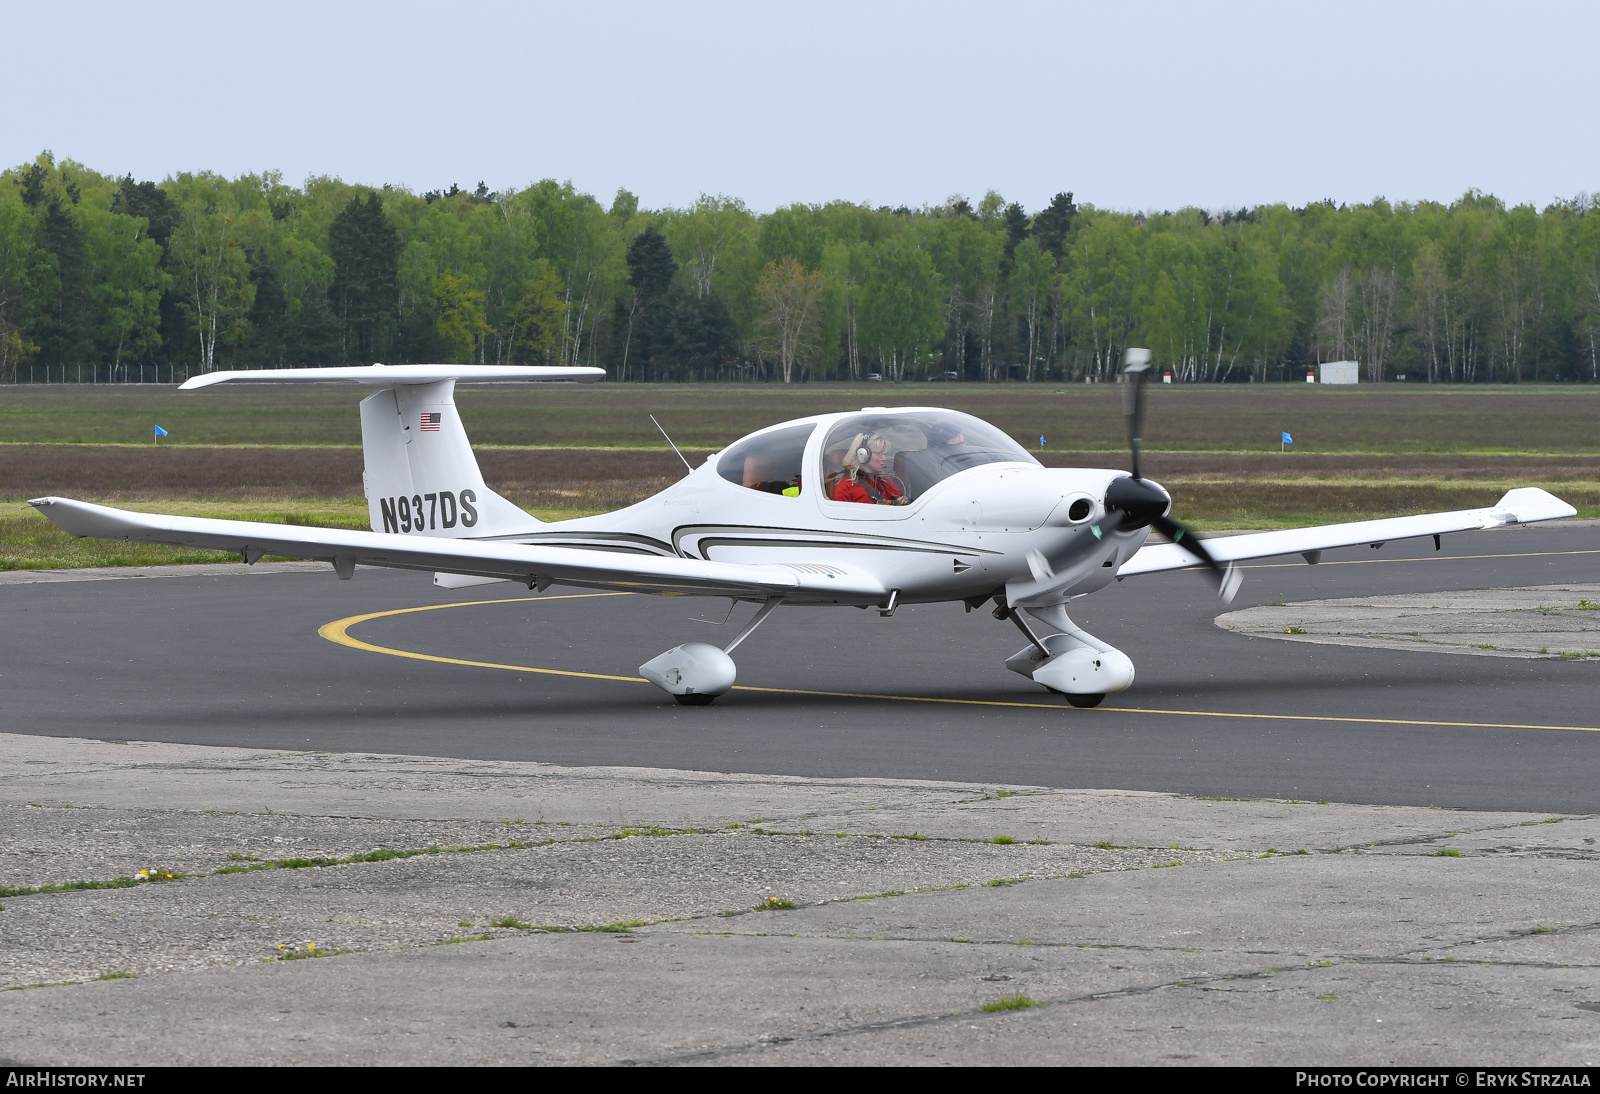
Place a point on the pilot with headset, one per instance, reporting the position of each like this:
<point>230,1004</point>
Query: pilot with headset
<point>864,480</point>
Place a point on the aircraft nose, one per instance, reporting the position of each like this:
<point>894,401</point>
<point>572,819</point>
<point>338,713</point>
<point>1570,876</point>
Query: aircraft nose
<point>1140,499</point>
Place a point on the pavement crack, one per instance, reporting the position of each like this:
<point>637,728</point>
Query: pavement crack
<point>1405,841</point>
<point>915,1021</point>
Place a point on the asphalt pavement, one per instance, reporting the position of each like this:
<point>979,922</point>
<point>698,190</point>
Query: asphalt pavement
<point>237,660</point>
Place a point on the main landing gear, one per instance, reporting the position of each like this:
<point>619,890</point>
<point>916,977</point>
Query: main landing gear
<point>1073,663</point>
<point>695,673</point>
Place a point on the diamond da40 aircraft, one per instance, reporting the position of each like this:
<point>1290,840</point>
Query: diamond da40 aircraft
<point>946,508</point>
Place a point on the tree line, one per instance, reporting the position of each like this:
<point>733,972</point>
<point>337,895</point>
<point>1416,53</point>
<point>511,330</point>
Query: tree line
<point>202,272</point>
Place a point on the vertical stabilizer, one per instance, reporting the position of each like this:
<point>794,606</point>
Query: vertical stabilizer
<point>421,476</point>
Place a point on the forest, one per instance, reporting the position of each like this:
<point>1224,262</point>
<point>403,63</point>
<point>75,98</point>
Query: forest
<point>100,275</point>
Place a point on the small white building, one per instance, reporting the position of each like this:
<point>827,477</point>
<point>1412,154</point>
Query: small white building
<point>1341,372</point>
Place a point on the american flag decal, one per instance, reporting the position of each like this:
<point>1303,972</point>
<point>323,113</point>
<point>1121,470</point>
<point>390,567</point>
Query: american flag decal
<point>431,420</point>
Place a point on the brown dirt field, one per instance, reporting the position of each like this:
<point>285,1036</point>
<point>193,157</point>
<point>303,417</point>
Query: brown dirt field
<point>1242,417</point>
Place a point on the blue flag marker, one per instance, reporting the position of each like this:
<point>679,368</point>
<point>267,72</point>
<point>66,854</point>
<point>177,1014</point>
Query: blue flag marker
<point>1041,440</point>
<point>1286,438</point>
<point>1287,441</point>
<point>159,433</point>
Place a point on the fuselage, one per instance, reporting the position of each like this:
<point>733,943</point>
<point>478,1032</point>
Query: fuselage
<point>976,510</point>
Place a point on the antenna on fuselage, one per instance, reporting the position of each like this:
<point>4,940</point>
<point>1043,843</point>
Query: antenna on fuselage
<point>681,456</point>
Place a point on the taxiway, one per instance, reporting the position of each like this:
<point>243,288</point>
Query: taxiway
<point>238,661</point>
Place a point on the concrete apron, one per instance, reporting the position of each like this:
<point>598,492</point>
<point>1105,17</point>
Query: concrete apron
<point>591,915</point>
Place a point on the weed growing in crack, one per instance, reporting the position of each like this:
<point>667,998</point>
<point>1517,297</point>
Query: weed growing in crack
<point>1019,1001</point>
<point>311,950</point>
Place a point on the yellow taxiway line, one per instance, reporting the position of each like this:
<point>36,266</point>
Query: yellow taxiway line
<point>338,632</point>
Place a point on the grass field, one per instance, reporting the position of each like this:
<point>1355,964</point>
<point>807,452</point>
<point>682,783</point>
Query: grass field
<point>294,454</point>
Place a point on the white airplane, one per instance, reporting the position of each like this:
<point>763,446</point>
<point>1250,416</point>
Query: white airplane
<point>948,509</point>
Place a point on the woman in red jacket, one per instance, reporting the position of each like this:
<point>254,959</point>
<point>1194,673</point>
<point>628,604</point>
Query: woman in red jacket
<point>864,480</point>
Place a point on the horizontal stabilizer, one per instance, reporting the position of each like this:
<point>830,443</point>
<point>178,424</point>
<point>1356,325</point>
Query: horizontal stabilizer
<point>1522,506</point>
<point>391,375</point>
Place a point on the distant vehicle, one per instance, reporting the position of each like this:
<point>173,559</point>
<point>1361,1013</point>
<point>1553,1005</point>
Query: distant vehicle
<point>960,513</point>
<point>944,377</point>
<point>874,377</point>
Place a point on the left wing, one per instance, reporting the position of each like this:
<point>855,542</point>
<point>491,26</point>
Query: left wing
<point>1521,506</point>
<point>539,566</point>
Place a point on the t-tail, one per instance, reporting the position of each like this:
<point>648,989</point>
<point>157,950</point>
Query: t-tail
<point>421,477</point>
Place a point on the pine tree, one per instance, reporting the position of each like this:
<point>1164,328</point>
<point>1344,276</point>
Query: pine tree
<point>650,269</point>
<point>364,295</point>
<point>65,335</point>
<point>1051,225</point>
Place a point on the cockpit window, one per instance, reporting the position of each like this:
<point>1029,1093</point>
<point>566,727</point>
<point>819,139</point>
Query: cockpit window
<point>769,462</point>
<point>924,448</point>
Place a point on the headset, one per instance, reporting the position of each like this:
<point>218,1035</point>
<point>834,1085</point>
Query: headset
<point>863,451</point>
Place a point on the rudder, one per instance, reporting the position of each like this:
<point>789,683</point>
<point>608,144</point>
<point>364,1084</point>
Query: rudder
<point>421,476</point>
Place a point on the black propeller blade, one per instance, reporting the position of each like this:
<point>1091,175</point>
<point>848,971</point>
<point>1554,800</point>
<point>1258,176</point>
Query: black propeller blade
<point>1138,363</point>
<point>1135,503</point>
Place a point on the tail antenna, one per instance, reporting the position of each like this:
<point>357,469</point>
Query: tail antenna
<point>681,456</point>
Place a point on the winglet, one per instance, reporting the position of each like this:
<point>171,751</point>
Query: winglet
<point>1527,504</point>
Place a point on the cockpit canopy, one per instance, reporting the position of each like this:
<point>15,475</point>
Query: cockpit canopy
<point>923,447</point>
<point>770,462</point>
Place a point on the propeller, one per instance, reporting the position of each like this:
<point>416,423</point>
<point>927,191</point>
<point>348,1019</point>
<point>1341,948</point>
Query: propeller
<point>1134,502</point>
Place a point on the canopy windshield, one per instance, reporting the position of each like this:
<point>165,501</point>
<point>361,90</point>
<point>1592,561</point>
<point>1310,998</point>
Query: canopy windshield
<point>924,447</point>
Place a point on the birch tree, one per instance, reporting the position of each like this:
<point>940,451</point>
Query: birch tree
<point>1032,275</point>
<point>790,297</point>
<point>211,273</point>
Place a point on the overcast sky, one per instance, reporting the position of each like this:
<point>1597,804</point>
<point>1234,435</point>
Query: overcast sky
<point>1130,106</point>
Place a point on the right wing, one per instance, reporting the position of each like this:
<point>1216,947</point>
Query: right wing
<point>828,584</point>
<point>1521,506</point>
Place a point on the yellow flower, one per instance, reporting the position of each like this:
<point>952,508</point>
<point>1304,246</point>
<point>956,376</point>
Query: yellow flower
<point>144,873</point>
<point>311,945</point>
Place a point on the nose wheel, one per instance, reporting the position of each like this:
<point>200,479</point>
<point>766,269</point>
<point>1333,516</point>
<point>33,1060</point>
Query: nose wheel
<point>1073,663</point>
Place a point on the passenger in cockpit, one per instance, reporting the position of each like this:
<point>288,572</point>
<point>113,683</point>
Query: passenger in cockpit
<point>864,480</point>
<point>948,452</point>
